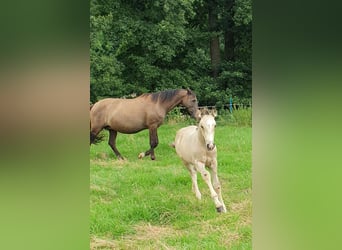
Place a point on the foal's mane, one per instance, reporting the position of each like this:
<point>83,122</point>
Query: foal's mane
<point>163,96</point>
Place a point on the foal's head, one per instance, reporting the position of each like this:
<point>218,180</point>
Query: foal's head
<point>207,126</point>
<point>190,102</point>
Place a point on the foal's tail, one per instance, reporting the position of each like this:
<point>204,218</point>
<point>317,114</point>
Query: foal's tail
<point>172,144</point>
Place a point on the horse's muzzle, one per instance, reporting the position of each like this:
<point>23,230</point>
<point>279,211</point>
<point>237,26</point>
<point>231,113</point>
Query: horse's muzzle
<point>210,146</point>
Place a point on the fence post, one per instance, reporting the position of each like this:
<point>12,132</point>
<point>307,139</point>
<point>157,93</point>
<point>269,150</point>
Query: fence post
<point>230,104</point>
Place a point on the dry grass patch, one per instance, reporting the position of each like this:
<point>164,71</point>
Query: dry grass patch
<point>151,232</point>
<point>147,237</point>
<point>230,239</point>
<point>97,243</point>
<point>106,163</point>
<point>97,188</point>
<point>244,209</point>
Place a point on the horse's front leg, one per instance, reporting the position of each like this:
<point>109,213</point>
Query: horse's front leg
<point>153,144</point>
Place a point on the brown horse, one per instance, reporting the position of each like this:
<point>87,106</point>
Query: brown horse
<point>130,116</point>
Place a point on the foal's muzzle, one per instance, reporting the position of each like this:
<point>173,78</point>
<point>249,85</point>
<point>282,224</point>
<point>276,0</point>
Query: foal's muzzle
<point>210,146</point>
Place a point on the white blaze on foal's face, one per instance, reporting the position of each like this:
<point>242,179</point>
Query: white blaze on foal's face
<point>207,126</point>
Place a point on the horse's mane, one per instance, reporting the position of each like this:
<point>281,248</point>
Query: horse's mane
<point>162,96</point>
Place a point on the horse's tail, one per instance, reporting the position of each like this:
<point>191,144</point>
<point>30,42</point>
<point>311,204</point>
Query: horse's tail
<point>95,139</point>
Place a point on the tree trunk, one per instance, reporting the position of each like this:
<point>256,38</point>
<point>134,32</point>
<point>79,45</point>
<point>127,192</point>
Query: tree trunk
<point>215,55</point>
<point>214,38</point>
<point>229,44</point>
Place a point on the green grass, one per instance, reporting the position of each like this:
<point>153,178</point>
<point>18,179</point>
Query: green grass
<point>144,204</point>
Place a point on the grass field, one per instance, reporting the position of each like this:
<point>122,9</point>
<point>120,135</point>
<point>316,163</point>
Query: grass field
<point>144,204</point>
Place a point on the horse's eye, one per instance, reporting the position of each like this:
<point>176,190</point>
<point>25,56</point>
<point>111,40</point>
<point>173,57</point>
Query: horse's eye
<point>193,100</point>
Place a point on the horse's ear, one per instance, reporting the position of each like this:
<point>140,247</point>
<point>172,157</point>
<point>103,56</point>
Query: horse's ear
<point>189,91</point>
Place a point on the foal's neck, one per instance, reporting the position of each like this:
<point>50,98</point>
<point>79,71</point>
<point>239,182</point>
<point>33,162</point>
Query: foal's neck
<point>200,135</point>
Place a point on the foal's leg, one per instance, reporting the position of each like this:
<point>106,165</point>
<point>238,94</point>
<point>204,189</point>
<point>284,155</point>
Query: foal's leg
<point>217,184</point>
<point>193,174</point>
<point>206,177</point>
<point>153,144</point>
<point>112,143</point>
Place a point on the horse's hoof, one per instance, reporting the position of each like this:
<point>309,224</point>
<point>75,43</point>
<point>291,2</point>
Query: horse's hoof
<point>153,158</point>
<point>120,157</point>
<point>141,155</point>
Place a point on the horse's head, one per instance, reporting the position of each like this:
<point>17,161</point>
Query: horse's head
<point>207,126</point>
<point>190,102</point>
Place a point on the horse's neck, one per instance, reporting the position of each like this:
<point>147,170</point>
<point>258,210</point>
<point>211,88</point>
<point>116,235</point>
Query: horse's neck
<point>176,100</point>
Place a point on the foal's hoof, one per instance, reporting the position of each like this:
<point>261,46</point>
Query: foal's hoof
<point>141,155</point>
<point>220,209</point>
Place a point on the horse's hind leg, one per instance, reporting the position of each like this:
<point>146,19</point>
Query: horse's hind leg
<point>112,143</point>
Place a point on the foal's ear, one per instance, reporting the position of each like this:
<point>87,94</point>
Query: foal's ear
<point>213,112</point>
<point>199,114</point>
<point>205,111</point>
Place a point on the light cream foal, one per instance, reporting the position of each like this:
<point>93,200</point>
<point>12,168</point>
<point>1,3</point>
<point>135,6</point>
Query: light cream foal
<point>195,146</point>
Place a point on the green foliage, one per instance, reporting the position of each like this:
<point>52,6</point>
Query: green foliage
<point>241,117</point>
<point>236,81</point>
<point>105,68</point>
<point>147,46</point>
<point>242,12</point>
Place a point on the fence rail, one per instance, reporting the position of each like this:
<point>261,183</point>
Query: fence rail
<point>230,107</point>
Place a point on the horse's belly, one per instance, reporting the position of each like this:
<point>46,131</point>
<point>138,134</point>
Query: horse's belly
<point>127,128</point>
<point>127,124</point>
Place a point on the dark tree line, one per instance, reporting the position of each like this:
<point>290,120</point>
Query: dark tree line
<point>147,46</point>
